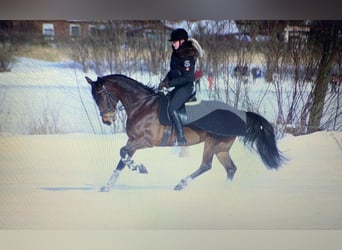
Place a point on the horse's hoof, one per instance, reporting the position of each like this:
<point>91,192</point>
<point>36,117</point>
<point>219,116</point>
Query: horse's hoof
<point>142,169</point>
<point>181,185</point>
<point>105,189</point>
<point>178,187</point>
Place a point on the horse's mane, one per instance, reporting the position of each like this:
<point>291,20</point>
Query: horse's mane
<point>132,82</point>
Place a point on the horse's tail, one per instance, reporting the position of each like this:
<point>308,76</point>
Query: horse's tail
<point>260,136</point>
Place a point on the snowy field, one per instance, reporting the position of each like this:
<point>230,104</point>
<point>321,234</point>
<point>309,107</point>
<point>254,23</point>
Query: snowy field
<point>52,181</point>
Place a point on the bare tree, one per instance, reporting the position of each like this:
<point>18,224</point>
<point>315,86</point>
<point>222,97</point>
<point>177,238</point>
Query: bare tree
<point>297,71</point>
<point>45,121</point>
<point>325,35</point>
<point>8,45</point>
<point>79,51</point>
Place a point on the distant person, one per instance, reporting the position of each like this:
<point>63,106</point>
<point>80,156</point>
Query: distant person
<point>244,70</point>
<point>210,81</point>
<point>256,73</point>
<point>237,70</point>
<point>335,83</point>
<point>198,76</point>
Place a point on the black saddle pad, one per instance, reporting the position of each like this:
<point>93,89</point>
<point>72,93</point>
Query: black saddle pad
<point>213,116</point>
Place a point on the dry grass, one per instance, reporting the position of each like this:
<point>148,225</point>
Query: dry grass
<point>45,53</point>
<point>54,54</point>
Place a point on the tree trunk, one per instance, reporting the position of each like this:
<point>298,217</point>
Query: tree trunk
<point>329,39</point>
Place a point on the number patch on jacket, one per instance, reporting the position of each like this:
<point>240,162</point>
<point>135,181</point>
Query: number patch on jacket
<point>187,65</point>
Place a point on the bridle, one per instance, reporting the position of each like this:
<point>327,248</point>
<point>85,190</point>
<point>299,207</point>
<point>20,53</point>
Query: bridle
<point>111,101</point>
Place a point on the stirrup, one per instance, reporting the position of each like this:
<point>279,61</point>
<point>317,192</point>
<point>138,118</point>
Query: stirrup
<point>180,142</point>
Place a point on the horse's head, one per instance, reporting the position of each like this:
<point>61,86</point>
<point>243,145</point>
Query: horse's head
<point>105,101</point>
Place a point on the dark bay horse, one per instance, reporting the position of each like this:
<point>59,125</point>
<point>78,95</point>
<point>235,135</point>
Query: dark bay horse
<point>143,128</point>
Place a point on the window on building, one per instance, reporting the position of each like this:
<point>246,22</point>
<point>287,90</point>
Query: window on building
<point>48,30</point>
<point>92,30</point>
<point>75,30</point>
<point>96,30</point>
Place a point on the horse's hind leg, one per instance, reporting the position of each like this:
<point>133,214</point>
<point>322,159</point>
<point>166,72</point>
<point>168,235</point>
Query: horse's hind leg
<point>208,154</point>
<point>222,153</point>
<point>227,163</point>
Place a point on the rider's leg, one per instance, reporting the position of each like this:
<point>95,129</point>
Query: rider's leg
<point>179,97</point>
<point>178,127</point>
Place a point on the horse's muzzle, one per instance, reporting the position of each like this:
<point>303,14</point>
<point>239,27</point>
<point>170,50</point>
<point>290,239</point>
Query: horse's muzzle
<point>108,118</point>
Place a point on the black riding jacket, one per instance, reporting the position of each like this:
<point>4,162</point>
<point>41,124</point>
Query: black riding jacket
<point>182,66</point>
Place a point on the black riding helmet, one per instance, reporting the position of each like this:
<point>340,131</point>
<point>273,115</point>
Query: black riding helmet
<point>179,34</point>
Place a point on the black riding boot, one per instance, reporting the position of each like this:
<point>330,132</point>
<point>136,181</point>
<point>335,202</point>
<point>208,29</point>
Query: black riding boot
<point>179,128</point>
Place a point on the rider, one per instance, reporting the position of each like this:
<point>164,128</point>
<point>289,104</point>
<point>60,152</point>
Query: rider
<point>181,76</point>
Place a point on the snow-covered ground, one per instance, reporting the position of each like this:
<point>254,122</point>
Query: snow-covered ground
<point>52,181</point>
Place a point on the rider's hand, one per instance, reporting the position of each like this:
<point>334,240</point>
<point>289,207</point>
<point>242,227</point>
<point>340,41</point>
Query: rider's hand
<point>163,85</point>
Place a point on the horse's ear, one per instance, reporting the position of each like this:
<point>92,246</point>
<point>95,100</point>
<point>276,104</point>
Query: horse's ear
<point>88,80</point>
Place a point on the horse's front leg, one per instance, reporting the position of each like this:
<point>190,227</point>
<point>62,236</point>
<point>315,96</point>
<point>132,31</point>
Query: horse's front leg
<point>127,160</point>
<point>114,177</point>
<point>126,154</point>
